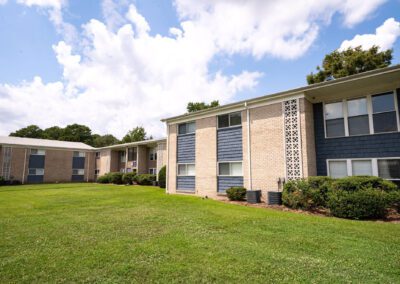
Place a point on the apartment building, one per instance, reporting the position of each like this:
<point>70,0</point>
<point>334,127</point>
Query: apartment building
<point>343,127</point>
<point>31,160</point>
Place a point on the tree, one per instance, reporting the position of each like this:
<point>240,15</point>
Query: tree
<point>104,140</point>
<point>53,133</point>
<point>349,62</point>
<point>31,131</point>
<point>77,133</point>
<point>136,134</point>
<point>192,107</point>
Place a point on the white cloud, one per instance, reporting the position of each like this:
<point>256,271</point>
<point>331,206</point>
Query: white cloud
<point>54,9</point>
<point>385,36</point>
<point>355,11</point>
<point>126,77</point>
<point>3,2</point>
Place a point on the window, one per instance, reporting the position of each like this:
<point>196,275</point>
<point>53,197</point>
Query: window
<point>186,170</point>
<point>153,171</point>
<point>337,169</point>
<point>122,156</point>
<point>79,154</point>
<point>79,172</point>
<point>367,115</point>
<point>186,128</point>
<point>36,172</point>
<point>153,154</point>
<point>231,119</point>
<point>230,169</point>
<point>361,167</point>
<point>38,152</point>
<point>97,154</point>
<point>96,172</point>
<point>389,168</point>
<point>122,170</point>
<point>358,117</point>
<point>128,170</point>
<point>132,154</point>
<point>334,120</point>
<point>384,113</point>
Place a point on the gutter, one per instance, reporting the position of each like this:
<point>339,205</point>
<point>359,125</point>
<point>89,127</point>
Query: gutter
<point>248,146</point>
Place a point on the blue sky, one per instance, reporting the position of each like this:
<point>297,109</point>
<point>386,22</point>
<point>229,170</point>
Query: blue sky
<point>132,70</point>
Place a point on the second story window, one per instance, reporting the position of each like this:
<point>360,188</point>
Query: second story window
<point>39,152</point>
<point>358,116</point>
<point>97,154</point>
<point>122,156</point>
<point>186,128</point>
<point>79,154</point>
<point>334,120</point>
<point>153,154</point>
<point>384,113</point>
<point>229,120</point>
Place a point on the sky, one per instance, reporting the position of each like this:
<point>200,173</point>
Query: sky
<point>116,64</point>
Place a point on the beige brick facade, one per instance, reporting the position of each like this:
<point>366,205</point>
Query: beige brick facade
<point>171,158</point>
<point>58,166</point>
<point>307,138</point>
<point>17,163</point>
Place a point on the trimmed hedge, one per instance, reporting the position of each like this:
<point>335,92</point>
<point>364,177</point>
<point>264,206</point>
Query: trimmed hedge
<point>116,178</point>
<point>2,181</point>
<point>128,178</point>
<point>104,179</point>
<point>361,204</point>
<point>358,197</point>
<point>307,193</point>
<point>145,179</point>
<point>236,193</point>
<point>162,176</point>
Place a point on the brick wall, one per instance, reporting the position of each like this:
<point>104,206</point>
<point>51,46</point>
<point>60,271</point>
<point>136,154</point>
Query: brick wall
<point>17,163</point>
<point>307,138</point>
<point>58,166</point>
<point>142,159</point>
<point>171,157</point>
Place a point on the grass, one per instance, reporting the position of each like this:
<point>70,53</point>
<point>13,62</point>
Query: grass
<point>109,234</point>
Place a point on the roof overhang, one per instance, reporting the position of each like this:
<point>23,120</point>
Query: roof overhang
<point>149,143</point>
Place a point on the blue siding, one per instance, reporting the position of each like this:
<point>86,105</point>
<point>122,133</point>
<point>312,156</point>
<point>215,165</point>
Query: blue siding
<point>34,179</point>
<point>226,182</point>
<point>366,146</point>
<point>36,161</point>
<point>185,183</point>
<point>78,162</point>
<point>186,148</point>
<point>229,144</point>
<point>77,178</point>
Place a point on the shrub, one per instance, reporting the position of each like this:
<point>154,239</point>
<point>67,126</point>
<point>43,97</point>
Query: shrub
<point>2,181</point>
<point>116,178</point>
<point>307,193</point>
<point>162,177</point>
<point>104,178</point>
<point>367,203</point>
<point>15,182</point>
<point>236,193</point>
<point>361,182</point>
<point>128,178</point>
<point>393,200</point>
<point>145,179</point>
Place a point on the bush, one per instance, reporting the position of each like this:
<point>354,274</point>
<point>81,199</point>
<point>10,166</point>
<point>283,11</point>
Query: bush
<point>2,181</point>
<point>128,178</point>
<point>145,179</point>
<point>367,203</point>
<point>104,178</point>
<point>116,178</point>
<point>393,200</point>
<point>307,193</point>
<point>236,193</point>
<point>162,177</point>
<point>362,182</point>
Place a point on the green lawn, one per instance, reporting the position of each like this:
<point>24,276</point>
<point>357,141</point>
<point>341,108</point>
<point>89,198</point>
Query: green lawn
<point>108,233</point>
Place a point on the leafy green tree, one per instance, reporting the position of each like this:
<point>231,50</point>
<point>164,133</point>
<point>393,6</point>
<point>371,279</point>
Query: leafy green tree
<point>53,133</point>
<point>136,134</point>
<point>77,133</point>
<point>104,140</point>
<point>349,62</point>
<point>192,107</point>
<point>31,131</point>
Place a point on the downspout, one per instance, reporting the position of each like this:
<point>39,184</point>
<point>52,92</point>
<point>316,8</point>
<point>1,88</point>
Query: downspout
<point>167,172</point>
<point>248,145</point>
<point>126,159</point>
<point>23,171</point>
<point>88,166</point>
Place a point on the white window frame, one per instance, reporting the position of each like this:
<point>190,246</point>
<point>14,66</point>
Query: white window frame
<point>96,172</point>
<point>97,155</point>
<point>374,162</point>
<point>79,154</point>
<point>122,156</point>
<point>154,170</point>
<point>230,168</point>
<point>186,123</point>
<point>35,172</point>
<point>185,164</point>
<point>78,174</point>
<point>153,154</point>
<point>39,152</point>
<point>370,114</point>
<point>229,119</point>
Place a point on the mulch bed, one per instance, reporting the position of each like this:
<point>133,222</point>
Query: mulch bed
<point>393,216</point>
